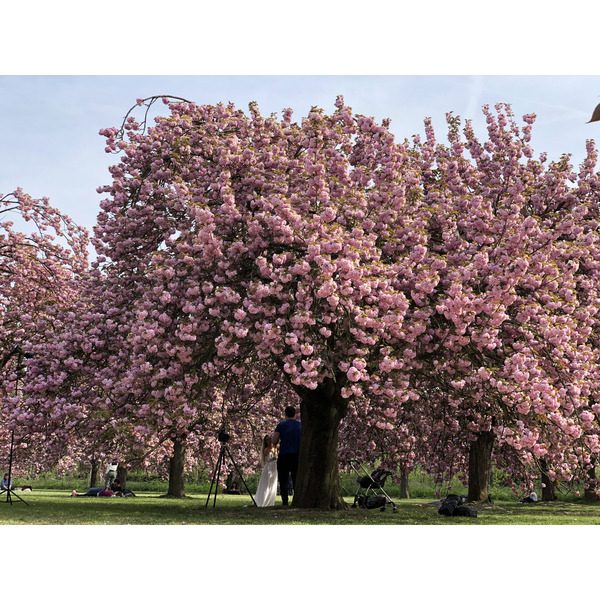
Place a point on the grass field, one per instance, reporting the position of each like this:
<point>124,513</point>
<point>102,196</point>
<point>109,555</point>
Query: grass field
<point>57,507</point>
<point>154,551</point>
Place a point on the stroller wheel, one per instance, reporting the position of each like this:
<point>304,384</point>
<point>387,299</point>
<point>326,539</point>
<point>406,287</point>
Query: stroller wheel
<point>382,509</point>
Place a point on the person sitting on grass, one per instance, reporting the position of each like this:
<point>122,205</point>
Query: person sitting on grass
<point>6,484</point>
<point>531,498</point>
<point>117,488</point>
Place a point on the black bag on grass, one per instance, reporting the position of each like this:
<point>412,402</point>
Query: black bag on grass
<point>464,511</point>
<point>453,506</point>
<point>372,501</point>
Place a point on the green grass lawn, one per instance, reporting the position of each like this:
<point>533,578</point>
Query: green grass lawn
<point>57,507</point>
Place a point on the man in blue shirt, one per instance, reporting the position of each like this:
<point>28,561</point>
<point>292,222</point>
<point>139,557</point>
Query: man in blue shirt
<point>287,434</point>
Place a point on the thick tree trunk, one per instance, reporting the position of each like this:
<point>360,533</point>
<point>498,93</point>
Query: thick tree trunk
<point>548,491</point>
<point>94,474</point>
<point>404,492</point>
<point>480,466</point>
<point>317,481</point>
<point>122,474</point>
<point>176,481</point>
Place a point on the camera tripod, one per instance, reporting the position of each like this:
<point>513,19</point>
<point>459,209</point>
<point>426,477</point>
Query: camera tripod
<point>217,473</point>
<point>8,490</point>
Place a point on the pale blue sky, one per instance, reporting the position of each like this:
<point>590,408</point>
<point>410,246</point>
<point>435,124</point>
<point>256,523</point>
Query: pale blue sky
<point>49,124</point>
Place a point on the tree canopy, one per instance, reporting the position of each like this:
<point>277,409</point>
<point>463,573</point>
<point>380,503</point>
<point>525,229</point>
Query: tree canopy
<point>412,293</point>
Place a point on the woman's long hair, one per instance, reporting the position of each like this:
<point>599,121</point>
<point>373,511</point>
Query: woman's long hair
<point>266,448</point>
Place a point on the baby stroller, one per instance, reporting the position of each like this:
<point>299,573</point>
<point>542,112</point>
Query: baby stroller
<point>370,492</point>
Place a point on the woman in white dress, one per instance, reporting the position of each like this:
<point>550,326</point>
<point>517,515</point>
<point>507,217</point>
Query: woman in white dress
<point>267,485</point>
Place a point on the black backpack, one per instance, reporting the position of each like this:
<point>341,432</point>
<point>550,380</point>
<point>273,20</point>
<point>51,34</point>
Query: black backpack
<point>453,506</point>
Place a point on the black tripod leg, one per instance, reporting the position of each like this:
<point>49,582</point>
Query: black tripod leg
<point>215,477</point>
<point>241,477</point>
<point>219,475</point>
<point>11,494</point>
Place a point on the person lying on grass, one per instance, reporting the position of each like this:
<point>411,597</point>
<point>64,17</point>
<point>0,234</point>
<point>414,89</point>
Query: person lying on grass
<point>106,492</point>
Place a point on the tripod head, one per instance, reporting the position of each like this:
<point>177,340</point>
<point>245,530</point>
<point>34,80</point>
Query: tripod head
<point>223,436</point>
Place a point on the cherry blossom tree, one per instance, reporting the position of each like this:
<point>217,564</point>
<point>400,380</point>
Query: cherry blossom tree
<point>506,283</point>
<point>43,255</point>
<point>235,245</point>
